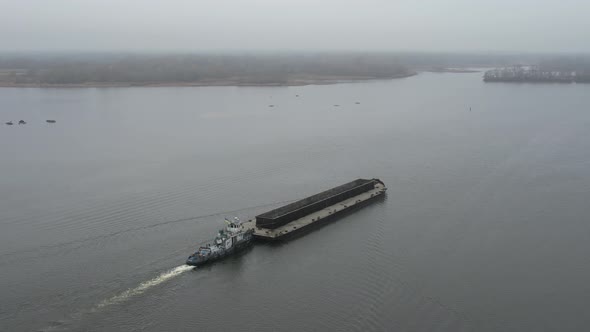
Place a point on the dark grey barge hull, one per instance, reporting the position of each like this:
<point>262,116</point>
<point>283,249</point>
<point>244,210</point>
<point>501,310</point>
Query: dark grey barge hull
<point>309,213</point>
<point>295,233</point>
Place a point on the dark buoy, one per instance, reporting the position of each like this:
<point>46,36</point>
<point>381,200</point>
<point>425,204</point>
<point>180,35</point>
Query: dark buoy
<point>50,121</point>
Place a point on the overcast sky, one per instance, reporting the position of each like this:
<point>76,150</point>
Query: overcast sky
<point>251,25</point>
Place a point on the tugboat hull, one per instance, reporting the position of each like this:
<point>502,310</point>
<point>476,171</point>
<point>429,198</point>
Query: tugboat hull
<point>198,259</point>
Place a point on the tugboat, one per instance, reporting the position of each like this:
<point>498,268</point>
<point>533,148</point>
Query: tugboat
<point>232,238</point>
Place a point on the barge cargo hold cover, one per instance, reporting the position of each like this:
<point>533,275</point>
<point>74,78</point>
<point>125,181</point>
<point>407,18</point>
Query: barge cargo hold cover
<point>293,217</point>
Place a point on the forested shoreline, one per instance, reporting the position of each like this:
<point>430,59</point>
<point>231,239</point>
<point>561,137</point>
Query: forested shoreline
<point>264,69</point>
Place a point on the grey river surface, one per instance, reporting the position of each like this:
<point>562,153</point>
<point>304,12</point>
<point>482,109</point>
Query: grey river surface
<point>485,226</point>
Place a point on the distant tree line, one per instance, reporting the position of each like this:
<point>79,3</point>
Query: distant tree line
<point>252,69</point>
<point>279,68</point>
<point>564,69</point>
<point>580,65</point>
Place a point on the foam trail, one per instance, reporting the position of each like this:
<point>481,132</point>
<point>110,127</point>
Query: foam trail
<point>124,296</point>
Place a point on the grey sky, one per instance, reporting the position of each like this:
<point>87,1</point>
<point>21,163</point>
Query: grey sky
<point>201,25</point>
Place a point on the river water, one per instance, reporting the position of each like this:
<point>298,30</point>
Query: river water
<point>485,226</point>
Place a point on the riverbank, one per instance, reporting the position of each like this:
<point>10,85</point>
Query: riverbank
<point>452,70</point>
<point>295,81</point>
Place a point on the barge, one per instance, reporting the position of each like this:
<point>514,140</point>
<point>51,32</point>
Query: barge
<point>301,215</point>
<point>283,222</point>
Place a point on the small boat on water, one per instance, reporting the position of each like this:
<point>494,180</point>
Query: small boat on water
<point>9,123</point>
<point>50,121</point>
<point>232,238</point>
<point>22,122</point>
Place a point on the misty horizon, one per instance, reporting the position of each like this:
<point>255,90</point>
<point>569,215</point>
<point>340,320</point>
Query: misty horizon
<point>290,26</point>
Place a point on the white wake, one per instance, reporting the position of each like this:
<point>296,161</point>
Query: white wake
<point>145,286</point>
